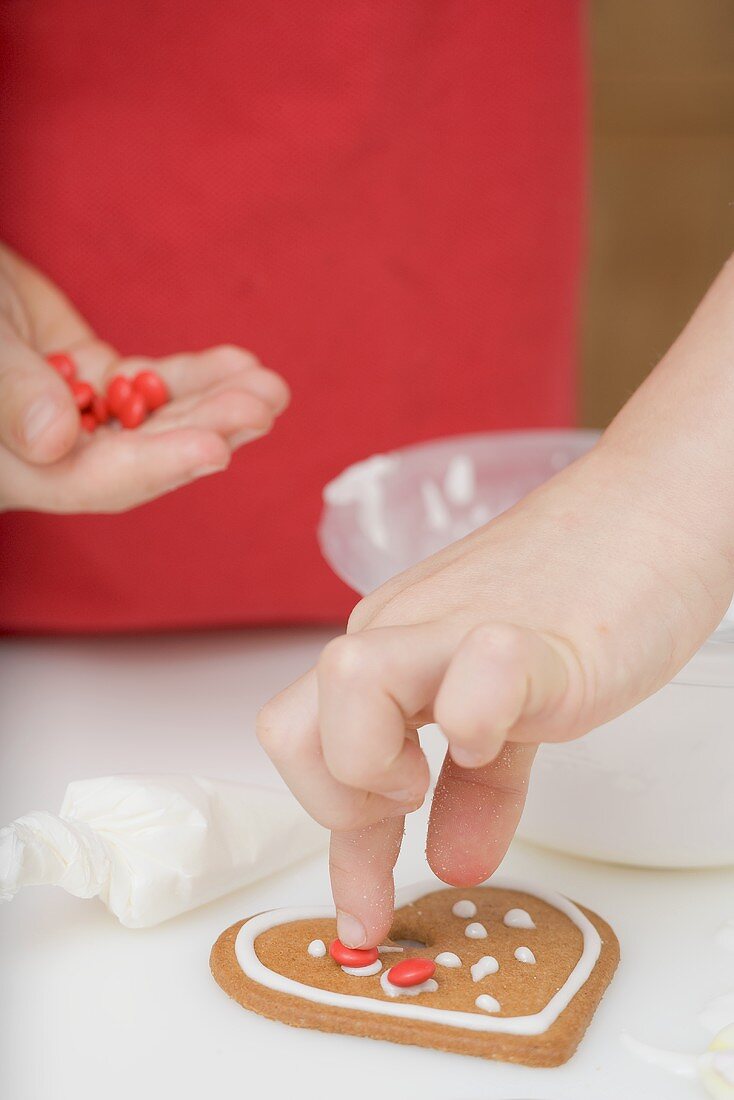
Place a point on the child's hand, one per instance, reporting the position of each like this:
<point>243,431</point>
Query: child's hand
<point>221,398</point>
<point>564,612</point>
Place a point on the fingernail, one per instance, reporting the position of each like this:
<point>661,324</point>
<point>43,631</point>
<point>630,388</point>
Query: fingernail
<point>400,796</point>
<point>247,435</point>
<point>204,471</point>
<point>465,758</point>
<point>38,418</point>
<point>349,930</point>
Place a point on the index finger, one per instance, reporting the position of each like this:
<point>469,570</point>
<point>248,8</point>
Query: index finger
<point>361,863</point>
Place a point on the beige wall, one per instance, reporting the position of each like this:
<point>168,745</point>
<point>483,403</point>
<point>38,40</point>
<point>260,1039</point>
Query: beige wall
<point>662,202</point>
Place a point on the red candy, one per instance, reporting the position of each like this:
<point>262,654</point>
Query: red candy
<point>100,409</point>
<point>83,394</point>
<point>89,422</point>
<point>63,364</point>
<point>411,972</point>
<point>119,390</point>
<point>352,956</point>
<point>152,387</point>
<point>133,412</point>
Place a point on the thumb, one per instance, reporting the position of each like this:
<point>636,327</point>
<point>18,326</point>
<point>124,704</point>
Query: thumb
<point>39,421</point>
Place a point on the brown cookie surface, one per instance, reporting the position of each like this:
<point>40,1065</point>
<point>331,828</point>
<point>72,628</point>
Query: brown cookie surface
<point>512,984</point>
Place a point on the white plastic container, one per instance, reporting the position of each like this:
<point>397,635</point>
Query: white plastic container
<point>655,787</point>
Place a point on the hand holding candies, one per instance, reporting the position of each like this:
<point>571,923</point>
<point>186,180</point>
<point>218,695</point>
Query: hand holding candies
<point>130,400</point>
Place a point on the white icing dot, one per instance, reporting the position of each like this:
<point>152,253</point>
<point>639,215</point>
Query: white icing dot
<point>364,971</point>
<point>429,986</point>
<point>475,931</point>
<point>317,948</point>
<point>524,955</point>
<point>448,958</point>
<point>519,918</point>
<point>464,908</point>
<point>487,1003</point>
<point>486,965</point>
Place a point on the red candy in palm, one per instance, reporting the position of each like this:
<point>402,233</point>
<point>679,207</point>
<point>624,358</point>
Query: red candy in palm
<point>152,387</point>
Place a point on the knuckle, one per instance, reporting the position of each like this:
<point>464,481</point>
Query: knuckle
<point>499,640</point>
<point>270,729</point>
<point>347,659</point>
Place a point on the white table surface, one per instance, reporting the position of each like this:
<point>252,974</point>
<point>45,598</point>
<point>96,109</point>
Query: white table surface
<point>91,1009</point>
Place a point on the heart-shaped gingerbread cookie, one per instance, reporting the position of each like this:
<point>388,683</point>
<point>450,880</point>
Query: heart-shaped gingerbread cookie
<point>505,971</point>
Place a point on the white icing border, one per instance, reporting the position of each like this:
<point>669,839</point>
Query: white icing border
<point>535,1024</point>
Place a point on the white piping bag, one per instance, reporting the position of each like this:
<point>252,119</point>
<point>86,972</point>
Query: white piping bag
<point>153,846</point>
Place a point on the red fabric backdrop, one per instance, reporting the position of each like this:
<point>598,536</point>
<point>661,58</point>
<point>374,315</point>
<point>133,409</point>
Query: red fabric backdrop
<point>380,199</point>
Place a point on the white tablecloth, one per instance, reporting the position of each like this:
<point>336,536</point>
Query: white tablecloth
<point>91,1009</point>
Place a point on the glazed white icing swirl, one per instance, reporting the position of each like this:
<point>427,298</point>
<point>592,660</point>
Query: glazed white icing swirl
<point>487,965</point>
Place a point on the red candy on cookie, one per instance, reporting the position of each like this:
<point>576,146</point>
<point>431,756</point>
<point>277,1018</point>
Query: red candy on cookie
<point>352,956</point>
<point>411,972</point>
<point>152,387</point>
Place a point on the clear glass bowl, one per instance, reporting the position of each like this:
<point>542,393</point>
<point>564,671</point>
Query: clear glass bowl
<point>654,787</point>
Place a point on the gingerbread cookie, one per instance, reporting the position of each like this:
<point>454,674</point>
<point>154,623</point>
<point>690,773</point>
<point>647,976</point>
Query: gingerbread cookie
<point>506,972</point>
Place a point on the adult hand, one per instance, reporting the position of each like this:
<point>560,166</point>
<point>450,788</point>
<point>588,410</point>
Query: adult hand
<point>220,399</point>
